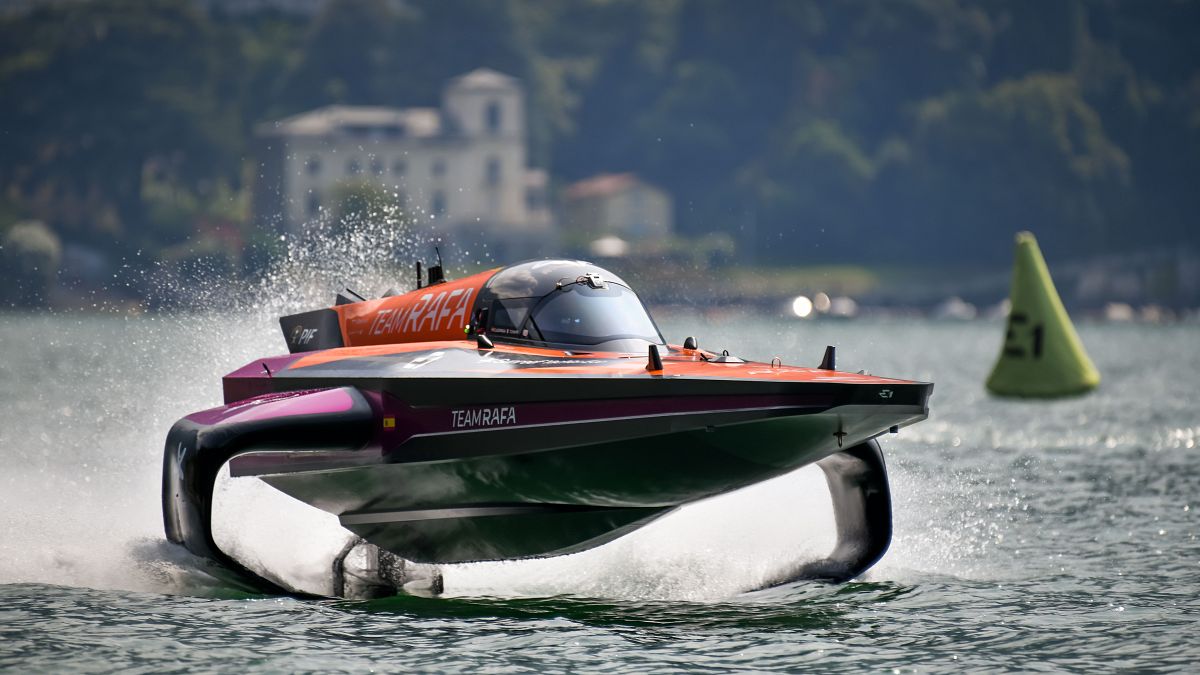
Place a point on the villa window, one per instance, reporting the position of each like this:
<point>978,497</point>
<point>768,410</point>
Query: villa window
<point>492,172</point>
<point>353,167</point>
<point>376,166</point>
<point>438,203</point>
<point>439,167</point>
<point>314,203</point>
<point>492,119</point>
<point>399,166</point>
<point>313,165</point>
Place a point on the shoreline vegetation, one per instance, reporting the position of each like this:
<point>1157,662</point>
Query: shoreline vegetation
<point>848,291</point>
<point>885,150</point>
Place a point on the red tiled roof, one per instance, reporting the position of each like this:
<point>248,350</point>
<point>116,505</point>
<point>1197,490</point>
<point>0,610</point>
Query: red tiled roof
<point>601,185</point>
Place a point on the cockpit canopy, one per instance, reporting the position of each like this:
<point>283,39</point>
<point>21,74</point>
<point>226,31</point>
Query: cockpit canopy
<point>565,303</point>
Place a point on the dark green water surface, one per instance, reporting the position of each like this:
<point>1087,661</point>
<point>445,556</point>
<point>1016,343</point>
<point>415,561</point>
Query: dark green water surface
<point>1030,535</point>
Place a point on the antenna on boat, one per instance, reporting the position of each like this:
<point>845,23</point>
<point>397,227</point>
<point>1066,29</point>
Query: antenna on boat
<point>347,296</point>
<point>829,361</point>
<point>437,275</point>
<point>654,362</point>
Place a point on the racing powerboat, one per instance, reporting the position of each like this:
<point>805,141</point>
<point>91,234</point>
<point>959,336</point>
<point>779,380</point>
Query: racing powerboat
<point>532,410</point>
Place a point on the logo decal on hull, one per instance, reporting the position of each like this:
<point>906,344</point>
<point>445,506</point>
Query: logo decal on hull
<point>430,313</point>
<point>885,393</point>
<point>424,359</point>
<point>483,417</point>
<point>302,335</point>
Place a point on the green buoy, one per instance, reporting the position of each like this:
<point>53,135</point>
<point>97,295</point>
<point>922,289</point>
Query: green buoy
<point>1042,356</point>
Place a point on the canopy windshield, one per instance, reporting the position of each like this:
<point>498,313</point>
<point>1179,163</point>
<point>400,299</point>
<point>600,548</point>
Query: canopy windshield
<point>578,314</point>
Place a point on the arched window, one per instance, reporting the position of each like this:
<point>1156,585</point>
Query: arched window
<point>313,165</point>
<point>437,205</point>
<point>492,120</point>
<point>314,203</point>
<point>377,166</point>
<point>353,167</point>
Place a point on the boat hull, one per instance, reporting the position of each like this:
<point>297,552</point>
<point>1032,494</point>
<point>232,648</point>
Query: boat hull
<point>562,500</point>
<point>526,461</point>
<point>550,488</point>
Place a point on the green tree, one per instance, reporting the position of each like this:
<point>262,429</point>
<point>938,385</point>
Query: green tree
<point>104,92</point>
<point>810,190</point>
<point>30,254</point>
<point>347,57</point>
<point>1027,154</point>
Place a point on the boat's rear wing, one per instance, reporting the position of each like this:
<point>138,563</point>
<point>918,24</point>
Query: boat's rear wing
<point>437,312</point>
<point>311,331</point>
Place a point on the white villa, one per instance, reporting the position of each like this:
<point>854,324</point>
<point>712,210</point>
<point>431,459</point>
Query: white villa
<point>460,168</point>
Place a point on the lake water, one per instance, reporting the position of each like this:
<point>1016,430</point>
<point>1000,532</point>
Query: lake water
<point>1028,535</point>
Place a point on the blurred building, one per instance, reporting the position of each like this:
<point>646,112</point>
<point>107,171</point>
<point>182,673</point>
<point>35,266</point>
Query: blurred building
<point>620,205</point>
<point>460,167</point>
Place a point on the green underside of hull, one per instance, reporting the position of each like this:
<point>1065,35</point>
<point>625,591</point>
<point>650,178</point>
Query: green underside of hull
<point>620,486</point>
<point>454,540</point>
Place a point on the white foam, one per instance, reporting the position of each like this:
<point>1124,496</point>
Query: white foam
<point>712,549</point>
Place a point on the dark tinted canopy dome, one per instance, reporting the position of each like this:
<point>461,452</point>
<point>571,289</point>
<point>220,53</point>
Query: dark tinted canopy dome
<point>566,303</point>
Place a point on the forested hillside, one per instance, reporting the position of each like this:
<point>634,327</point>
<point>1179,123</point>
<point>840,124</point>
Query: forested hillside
<point>917,132</point>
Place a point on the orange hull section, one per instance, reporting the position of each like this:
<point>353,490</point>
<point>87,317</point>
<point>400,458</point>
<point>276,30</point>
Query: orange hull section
<point>679,362</point>
<point>430,314</point>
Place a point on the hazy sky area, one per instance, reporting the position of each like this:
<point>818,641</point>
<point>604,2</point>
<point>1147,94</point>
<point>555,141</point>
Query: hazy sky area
<point>911,135</point>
